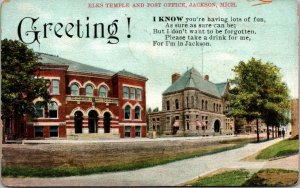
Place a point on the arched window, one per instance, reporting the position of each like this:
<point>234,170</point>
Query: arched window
<point>187,102</point>
<point>205,105</point>
<point>168,105</point>
<point>127,112</point>
<point>214,107</point>
<point>53,107</point>
<point>103,91</point>
<point>202,104</point>
<point>74,90</point>
<point>39,109</point>
<point>137,114</point>
<point>192,101</point>
<point>89,90</point>
<point>176,104</point>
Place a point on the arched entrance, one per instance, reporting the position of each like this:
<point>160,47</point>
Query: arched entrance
<point>217,126</point>
<point>78,121</point>
<point>93,121</point>
<point>107,118</point>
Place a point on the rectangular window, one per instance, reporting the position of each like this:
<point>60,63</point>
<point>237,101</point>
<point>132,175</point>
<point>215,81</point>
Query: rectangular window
<point>53,131</point>
<point>55,87</point>
<point>53,110</point>
<point>39,110</point>
<point>168,105</point>
<point>205,120</point>
<point>132,93</point>
<point>127,131</point>
<point>138,94</point>
<point>39,131</point>
<point>138,131</point>
<point>125,92</point>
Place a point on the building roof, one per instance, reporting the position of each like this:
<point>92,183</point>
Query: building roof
<point>130,74</point>
<point>193,79</point>
<point>222,87</point>
<point>80,67</point>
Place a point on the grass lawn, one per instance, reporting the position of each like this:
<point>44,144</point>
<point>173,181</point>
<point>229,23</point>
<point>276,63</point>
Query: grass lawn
<point>229,178</point>
<point>265,177</point>
<point>68,170</point>
<point>282,148</point>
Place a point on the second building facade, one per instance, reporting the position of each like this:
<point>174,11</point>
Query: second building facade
<point>192,106</point>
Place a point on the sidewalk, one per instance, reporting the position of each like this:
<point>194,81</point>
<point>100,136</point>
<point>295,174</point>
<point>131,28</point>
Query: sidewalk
<point>66,141</point>
<point>163,175</point>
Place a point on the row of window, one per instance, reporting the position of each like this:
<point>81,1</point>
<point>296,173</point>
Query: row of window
<point>39,131</point>
<point>137,112</point>
<point>128,92</point>
<point>132,93</point>
<point>204,104</point>
<point>217,107</point>
<point>137,131</point>
<point>41,112</point>
<point>89,90</point>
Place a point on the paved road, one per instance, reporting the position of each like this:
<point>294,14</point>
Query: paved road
<point>164,175</point>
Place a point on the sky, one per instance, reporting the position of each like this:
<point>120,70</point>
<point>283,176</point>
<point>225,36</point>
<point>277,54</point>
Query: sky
<point>275,41</point>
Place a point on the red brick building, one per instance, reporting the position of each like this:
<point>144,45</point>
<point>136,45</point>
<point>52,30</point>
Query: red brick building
<point>89,102</point>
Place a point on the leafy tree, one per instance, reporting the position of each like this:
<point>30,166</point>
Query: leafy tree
<point>20,82</point>
<point>259,93</point>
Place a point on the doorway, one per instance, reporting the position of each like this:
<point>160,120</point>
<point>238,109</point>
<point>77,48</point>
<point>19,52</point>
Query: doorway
<point>217,125</point>
<point>93,121</point>
<point>107,119</point>
<point>78,121</point>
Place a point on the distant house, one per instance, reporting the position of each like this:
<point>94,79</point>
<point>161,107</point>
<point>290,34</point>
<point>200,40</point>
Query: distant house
<point>87,102</point>
<point>192,106</point>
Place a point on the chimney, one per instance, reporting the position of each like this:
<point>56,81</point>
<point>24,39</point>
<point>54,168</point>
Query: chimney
<point>175,77</point>
<point>206,77</point>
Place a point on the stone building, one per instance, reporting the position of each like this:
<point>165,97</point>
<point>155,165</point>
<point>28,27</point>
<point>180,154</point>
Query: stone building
<point>86,102</point>
<point>192,106</point>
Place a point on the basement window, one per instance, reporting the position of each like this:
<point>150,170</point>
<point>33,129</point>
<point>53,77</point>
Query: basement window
<point>53,131</point>
<point>39,131</point>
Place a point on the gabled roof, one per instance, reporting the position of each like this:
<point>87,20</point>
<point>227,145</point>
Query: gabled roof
<point>130,74</point>
<point>48,59</point>
<point>73,65</point>
<point>192,79</point>
<point>222,87</point>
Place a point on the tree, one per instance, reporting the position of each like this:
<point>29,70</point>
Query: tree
<point>259,93</point>
<point>20,82</point>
